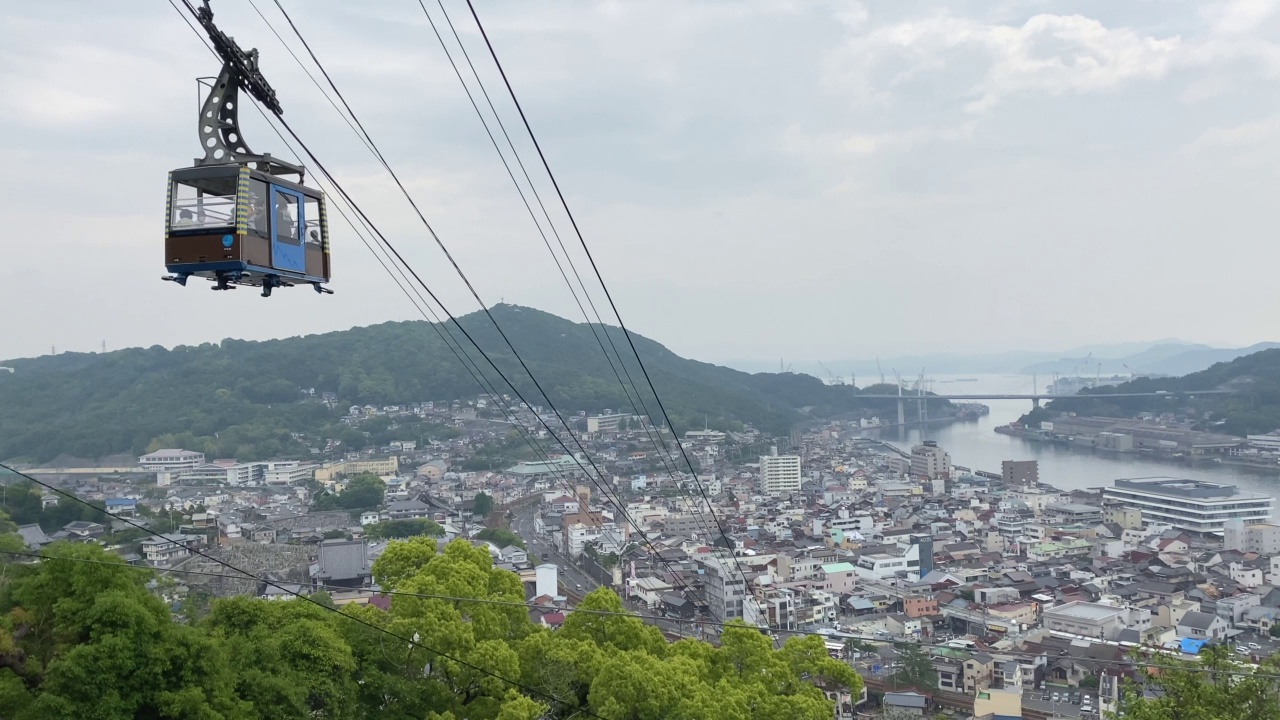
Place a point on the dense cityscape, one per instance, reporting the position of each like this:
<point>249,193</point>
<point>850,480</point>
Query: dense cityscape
<point>984,591</point>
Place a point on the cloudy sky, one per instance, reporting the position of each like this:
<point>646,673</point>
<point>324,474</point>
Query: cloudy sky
<point>756,178</point>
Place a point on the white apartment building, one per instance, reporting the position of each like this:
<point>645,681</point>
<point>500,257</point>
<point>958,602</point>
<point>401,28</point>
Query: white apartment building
<point>287,472</point>
<point>224,472</point>
<point>1261,538</point>
<point>1192,505</point>
<point>779,473</point>
<point>605,423</point>
<point>171,460</point>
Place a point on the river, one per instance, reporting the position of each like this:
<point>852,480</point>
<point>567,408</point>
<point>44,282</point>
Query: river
<point>976,445</point>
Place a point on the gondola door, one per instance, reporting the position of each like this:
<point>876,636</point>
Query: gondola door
<point>287,222</point>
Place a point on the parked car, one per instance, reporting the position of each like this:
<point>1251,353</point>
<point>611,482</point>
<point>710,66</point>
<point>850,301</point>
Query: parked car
<point>1255,646</point>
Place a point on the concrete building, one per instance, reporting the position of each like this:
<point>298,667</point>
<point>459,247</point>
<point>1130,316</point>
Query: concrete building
<point>1261,538</point>
<point>1126,517</point>
<point>1192,505</point>
<point>724,590</point>
<point>546,580</point>
<point>1020,472</point>
<point>929,460</point>
<point>779,473</point>
<point>171,460</point>
<point>606,423</point>
<point>330,471</point>
<point>1087,619</point>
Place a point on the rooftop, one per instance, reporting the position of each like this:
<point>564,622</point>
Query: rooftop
<point>1181,487</point>
<point>1085,611</point>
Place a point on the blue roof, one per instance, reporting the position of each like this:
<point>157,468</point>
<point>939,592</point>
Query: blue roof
<point>1192,647</point>
<point>121,501</point>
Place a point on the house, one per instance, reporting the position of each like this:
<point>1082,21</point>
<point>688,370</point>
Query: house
<point>408,510</point>
<point>677,606</point>
<point>979,671</point>
<point>83,530</point>
<point>370,517</point>
<point>123,507</point>
<point>164,549</point>
<point>907,704</point>
<point>344,563</point>
<point>514,555</point>
<point>1202,626</point>
<point>264,534</point>
<point>33,536</point>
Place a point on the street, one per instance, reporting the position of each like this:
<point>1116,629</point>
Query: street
<point>571,577</point>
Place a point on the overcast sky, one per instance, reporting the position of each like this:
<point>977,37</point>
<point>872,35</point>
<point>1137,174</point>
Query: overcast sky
<point>756,178</point>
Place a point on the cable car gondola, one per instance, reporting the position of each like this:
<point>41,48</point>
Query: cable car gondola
<point>235,217</point>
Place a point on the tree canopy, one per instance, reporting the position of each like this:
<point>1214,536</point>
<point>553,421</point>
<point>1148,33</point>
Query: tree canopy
<point>363,491</point>
<point>90,640</point>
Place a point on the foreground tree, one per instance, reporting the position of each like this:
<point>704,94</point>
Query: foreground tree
<point>1213,687</point>
<point>90,640</point>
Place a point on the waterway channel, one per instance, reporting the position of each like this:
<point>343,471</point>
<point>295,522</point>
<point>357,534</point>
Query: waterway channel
<point>976,445</point>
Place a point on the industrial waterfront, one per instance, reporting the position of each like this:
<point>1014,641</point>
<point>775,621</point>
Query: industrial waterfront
<point>975,444</point>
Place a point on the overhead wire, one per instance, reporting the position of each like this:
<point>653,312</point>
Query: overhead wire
<point>608,295</point>
<point>601,483</point>
<point>281,586</point>
<point>446,336</point>
<point>635,615</point>
<point>638,404</point>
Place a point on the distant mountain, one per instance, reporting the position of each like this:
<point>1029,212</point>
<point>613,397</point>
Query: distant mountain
<point>245,399</point>
<point>1253,408</point>
<point>1175,358</point>
<point>1112,356</point>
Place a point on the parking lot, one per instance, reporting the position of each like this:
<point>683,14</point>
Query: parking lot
<point>1062,703</point>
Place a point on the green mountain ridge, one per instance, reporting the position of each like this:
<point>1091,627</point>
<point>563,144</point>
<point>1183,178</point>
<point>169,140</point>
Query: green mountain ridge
<point>247,394</point>
<point>1253,408</point>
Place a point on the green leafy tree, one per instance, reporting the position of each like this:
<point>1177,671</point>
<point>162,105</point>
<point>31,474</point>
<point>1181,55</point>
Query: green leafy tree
<point>483,504</point>
<point>400,529</point>
<point>915,668</point>
<point>501,537</point>
<point>363,491</point>
<point>1214,686</point>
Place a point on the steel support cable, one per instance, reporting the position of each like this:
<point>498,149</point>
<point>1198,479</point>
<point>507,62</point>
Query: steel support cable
<point>506,340</point>
<point>665,455</point>
<point>444,334</point>
<point>626,333</point>
<point>279,586</point>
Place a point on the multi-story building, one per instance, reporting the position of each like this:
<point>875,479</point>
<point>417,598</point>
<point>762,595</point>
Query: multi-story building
<point>929,460</point>
<point>164,549</point>
<point>287,472</point>
<point>225,472</point>
<point>1088,619</point>
<point>606,423</point>
<point>1261,538</point>
<point>724,589</point>
<point>779,473</point>
<point>329,472</point>
<point>171,460</point>
<point>1020,472</point>
<point>1192,505</point>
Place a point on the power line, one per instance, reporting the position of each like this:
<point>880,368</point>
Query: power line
<point>626,333</point>
<point>444,333</point>
<point>279,586</point>
<point>601,483</point>
<point>664,453</point>
<point>614,613</point>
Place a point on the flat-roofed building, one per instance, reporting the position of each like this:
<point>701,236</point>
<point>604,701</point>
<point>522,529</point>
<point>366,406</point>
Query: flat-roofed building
<point>1087,619</point>
<point>1192,505</point>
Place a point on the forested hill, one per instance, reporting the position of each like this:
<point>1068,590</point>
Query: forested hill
<point>249,394</point>
<point>1253,408</point>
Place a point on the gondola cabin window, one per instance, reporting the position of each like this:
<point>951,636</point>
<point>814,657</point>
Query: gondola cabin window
<point>203,203</point>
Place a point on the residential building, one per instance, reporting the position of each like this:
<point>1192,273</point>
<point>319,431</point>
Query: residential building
<point>838,577</point>
<point>408,510</point>
<point>1192,505</point>
<point>929,460</point>
<point>920,605</point>
<point>979,672</point>
<point>779,473</point>
<point>1261,538</point>
<point>725,590</point>
<point>1202,626</point>
<point>165,549</point>
<point>1020,472</point>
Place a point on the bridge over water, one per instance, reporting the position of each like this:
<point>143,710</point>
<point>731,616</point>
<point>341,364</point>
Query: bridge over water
<point>922,399</point>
